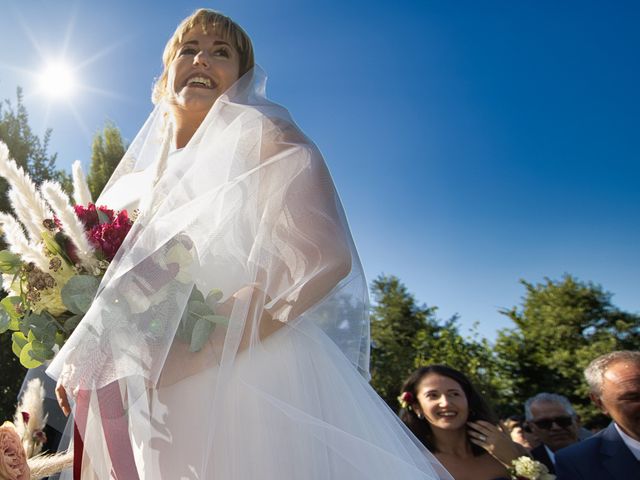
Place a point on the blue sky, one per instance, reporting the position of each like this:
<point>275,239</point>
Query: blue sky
<point>473,143</point>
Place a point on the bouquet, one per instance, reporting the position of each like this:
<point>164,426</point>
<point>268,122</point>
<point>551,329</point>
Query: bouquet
<point>526,468</point>
<point>57,256</point>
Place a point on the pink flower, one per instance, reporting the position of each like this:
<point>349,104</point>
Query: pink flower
<point>25,417</point>
<point>13,460</point>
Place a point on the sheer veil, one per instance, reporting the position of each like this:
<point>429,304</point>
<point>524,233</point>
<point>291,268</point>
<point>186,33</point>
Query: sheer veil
<point>229,337</point>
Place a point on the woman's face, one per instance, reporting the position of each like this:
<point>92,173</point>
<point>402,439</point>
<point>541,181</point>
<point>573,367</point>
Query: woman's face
<point>204,67</point>
<point>443,402</point>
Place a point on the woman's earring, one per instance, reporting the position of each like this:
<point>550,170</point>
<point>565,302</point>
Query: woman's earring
<point>419,415</point>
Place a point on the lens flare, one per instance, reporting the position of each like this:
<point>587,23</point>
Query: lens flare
<point>57,80</point>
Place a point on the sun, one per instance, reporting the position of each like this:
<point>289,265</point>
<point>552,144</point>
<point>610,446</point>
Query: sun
<point>57,80</point>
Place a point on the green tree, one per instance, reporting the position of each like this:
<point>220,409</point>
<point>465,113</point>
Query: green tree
<point>407,336</point>
<point>26,148</point>
<point>31,153</point>
<point>106,152</point>
<point>472,355</point>
<point>559,328</point>
<point>396,321</point>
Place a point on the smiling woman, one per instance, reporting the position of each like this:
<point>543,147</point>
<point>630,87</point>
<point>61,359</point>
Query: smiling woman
<point>230,336</point>
<point>56,80</point>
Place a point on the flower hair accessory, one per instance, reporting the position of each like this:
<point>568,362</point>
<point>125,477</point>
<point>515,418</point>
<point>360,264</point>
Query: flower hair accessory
<point>526,468</point>
<point>405,400</point>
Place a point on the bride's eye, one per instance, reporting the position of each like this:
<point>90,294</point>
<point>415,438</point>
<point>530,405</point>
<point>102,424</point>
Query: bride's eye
<point>222,52</point>
<point>188,51</point>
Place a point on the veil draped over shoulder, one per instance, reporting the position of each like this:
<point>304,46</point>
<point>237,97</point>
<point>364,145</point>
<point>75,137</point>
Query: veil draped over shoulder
<point>229,338</point>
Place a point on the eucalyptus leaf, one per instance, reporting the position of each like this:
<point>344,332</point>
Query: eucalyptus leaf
<point>218,319</point>
<point>9,262</point>
<point>42,326</point>
<point>201,331</point>
<point>5,319</point>
<point>196,295</point>
<point>79,292</point>
<point>9,304</point>
<point>213,298</point>
<point>26,358</point>
<point>72,322</point>
<point>102,217</point>
<point>19,340</point>
<point>40,351</point>
<point>199,309</point>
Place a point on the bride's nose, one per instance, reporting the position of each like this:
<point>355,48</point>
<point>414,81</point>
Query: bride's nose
<point>201,59</point>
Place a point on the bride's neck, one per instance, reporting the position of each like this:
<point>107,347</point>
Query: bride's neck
<point>186,125</point>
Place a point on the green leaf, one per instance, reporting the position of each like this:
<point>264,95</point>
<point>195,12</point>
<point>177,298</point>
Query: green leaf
<point>27,357</point>
<point>19,341</point>
<point>218,319</point>
<point>102,217</point>
<point>213,298</point>
<point>9,262</point>
<point>5,319</point>
<point>196,295</point>
<point>79,292</point>
<point>9,304</point>
<point>51,244</point>
<point>72,322</point>
<point>200,334</point>
<point>40,326</point>
<point>40,351</point>
<point>199,309</point>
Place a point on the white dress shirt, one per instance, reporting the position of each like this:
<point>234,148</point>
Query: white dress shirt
<point>632,443</point>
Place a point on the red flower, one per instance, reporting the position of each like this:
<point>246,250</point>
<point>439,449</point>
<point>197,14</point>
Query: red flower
<point>107,237</point>
<point>407,397</point>
<point>25,417</point>
<point>89,215</point>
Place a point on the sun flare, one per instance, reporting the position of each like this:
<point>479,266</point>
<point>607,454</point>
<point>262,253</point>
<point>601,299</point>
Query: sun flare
<point>56,81</point>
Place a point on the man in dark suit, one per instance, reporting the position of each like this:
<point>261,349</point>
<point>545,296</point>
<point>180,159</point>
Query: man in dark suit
<point>614,453</point>
<point>554,421</point>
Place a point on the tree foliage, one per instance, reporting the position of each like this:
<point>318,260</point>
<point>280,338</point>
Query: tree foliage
<point>396,321</point>
<point>406,336</point>
<point>559,328</point>
<point>107,150</point>
<point>27,149</point>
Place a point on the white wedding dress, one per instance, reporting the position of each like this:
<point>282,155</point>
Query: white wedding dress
<point>282,396</point>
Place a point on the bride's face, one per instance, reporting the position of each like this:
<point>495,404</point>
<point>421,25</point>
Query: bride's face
<point>204,67</point>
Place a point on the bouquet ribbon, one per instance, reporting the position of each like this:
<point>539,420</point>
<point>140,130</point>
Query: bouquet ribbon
<point>115,427</point>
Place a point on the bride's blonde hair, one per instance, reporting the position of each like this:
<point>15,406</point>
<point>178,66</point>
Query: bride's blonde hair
<point>211,22</point>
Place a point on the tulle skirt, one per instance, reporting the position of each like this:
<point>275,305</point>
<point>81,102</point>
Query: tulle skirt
<point>293,408</point>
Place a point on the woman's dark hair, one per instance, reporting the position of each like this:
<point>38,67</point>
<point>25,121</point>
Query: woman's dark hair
<point>478,408</point>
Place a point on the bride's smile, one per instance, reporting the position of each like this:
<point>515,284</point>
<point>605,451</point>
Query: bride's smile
<point>204,67</point>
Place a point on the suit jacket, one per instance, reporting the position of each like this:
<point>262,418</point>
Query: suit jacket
<point>540,454</point>
<point>601,457</point>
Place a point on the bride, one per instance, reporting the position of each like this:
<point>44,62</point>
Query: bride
<point>229,338</point>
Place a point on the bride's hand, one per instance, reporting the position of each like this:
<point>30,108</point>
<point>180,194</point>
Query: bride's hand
<point>61,392</point>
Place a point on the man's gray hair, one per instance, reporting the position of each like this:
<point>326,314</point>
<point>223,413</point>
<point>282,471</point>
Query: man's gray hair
<point>594,373</point>
<point>545,397</point>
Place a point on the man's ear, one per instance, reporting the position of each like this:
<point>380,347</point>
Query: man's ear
<point>598,403</point>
